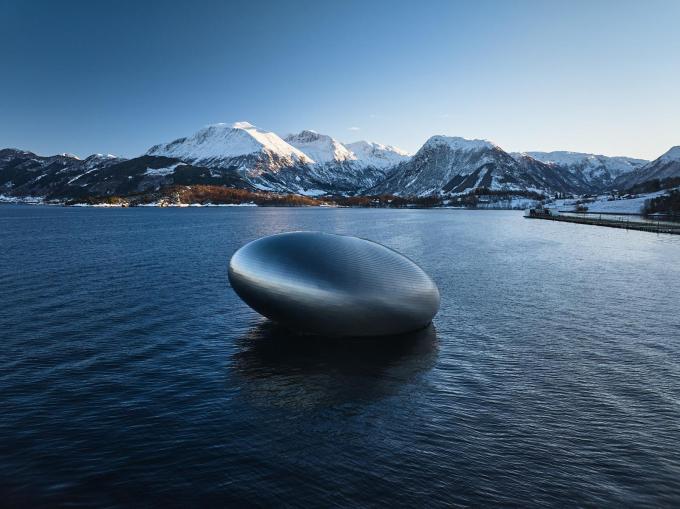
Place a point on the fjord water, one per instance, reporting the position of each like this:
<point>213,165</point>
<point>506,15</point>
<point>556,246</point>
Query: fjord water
<point>132,375</point>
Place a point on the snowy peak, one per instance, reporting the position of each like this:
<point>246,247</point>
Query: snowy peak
<point>240,125</point>
<point>100,157</point>
<point>562,157</point>
<point>321,148</point>
<point>666,166</point>
<point>595,172</point>
<point>325,149</point>
<point>376,154</point>
<point>244,156</point>
<point>615,165</point>
<point>457,143</point>
<point>454,165</point>
<point>221,142</point>
<point>672,155</point>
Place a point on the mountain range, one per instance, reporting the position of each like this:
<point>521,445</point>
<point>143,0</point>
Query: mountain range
<point>243,156</point>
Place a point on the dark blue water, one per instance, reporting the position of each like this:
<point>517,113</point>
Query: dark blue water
<point>131,374</point>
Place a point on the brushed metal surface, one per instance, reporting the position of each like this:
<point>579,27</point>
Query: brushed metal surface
<point>334,285</point>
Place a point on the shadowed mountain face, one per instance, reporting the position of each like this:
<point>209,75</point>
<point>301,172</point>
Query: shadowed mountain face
<point>587,171</point>
<point>67,177</point>
<point>457,166</point>
<point>24,173</point>
<point>338,168</point>
<point>665,167</point>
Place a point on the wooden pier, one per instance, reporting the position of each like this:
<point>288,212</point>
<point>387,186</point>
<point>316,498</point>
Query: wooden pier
<point>658,227</point>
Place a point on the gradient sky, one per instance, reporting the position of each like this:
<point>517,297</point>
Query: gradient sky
<point>120,76</point>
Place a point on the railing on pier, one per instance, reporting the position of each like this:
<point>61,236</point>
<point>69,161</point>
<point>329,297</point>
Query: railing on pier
<point>657,227</point>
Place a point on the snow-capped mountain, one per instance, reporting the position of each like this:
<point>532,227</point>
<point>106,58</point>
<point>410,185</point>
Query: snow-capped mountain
<point>224,145</point>
<point>305,163</point>
<point>321,148</point>
<point>336,168</point>
<point>377,155</point>
<point>242,156</point>
<point>236,155</point>
<point>593,171</point>
<point>552,177</point>
<point>261,158</point>
<point>453,165</point>
<point>664,167</point>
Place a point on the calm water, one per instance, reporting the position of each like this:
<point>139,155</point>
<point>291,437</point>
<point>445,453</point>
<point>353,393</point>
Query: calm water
<point>131,374</point>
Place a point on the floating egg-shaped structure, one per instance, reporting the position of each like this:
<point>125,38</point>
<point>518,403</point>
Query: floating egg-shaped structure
<point>334,285</point>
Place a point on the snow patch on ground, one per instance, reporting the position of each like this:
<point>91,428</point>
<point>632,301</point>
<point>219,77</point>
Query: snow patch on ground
<point>183,205</point>
<point>515,203</point>
<point>628,206</point>
<point>312,192</point>
<point>83,174</point>
<point>29,200</point>
<point>97,205</point>
<point>162,172</point>
<point>604,205</point>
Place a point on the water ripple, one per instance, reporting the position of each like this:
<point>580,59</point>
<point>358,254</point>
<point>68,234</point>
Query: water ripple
<point>132,376</point>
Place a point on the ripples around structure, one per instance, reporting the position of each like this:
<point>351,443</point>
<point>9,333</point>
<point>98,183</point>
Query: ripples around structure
<point>279,367</point>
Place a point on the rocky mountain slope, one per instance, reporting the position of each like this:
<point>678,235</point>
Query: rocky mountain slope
<point>306,163</point>
<point>241,156</point>
<point>452,165</point>
<point>665,167</point>
<point>24,173</point>
<point>320,147</point>
<point>240,145</point>
<point>238,155</point>
<point>591,171</point>
<point>377,155</point>
<point>337,168</point>
<point>241,150</point>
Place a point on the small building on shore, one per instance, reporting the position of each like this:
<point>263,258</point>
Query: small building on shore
<point>540,211</point>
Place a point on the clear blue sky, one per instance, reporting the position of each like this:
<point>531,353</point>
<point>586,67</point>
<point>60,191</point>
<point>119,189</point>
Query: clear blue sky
<point>120,76</point>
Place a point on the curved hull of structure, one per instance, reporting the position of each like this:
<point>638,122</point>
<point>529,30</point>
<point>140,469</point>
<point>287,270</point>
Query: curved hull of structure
<point>333,285</point>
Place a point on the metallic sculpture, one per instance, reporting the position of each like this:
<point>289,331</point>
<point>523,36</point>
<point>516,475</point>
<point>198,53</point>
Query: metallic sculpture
<point>334,285</point>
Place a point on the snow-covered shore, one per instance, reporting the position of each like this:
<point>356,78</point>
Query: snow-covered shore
<point>622,206</point>
<point>26,200</point>
<point>604,204</point>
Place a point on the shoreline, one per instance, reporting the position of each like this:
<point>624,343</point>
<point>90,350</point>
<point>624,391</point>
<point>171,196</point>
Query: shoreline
<point>240,205</point>
<point>37,201</point>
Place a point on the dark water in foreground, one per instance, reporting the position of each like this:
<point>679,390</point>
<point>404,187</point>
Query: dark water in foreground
<point>131,375</point>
